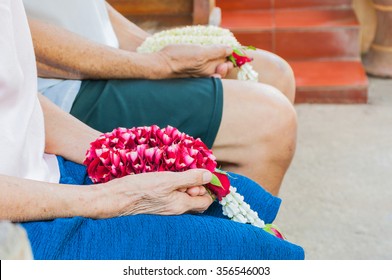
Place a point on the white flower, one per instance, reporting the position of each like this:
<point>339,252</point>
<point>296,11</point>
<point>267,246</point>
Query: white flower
<point>198,34</point>
<point>234,207</point>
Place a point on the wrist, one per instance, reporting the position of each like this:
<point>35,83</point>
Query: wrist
<point>108,200</point>
<point>89,202</point>
<point>156,66</point>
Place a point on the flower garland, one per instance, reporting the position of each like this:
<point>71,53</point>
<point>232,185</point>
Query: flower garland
<point>137,150</point>
<point>203,35</point>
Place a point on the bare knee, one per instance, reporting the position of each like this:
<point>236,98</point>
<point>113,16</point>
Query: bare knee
<point>258,132</point>
<point>258,111</point>
<point>281,120</point>
<point>276,141</point>
<point>275,71</point>
<point>261,119</point>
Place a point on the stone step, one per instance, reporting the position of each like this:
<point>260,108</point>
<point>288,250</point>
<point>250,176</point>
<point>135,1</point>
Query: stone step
<point>284,4</point>
<point>297,34</point>
<point>343,82</point>
<point>230,5</point>
<point>320,40</point>
<point>280,4</point>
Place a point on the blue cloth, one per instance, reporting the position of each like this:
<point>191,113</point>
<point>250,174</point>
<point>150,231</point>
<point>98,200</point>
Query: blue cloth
<point>207,236</point>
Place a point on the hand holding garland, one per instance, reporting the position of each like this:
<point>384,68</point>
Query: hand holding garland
<point>203,35</point>
<point>124,152</point>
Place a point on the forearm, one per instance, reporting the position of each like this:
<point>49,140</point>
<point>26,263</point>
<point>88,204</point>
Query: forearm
<point>148,193</point>
<point>65,135</point>
<point>66,55</point>
<point>129,35</point>
<point>28,200</point>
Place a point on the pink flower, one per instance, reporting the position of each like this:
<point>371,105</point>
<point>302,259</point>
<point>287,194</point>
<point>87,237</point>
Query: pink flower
<point>147,149</point>
<point>220,185</point>
<point>124,152</point>
<point>241,59</point>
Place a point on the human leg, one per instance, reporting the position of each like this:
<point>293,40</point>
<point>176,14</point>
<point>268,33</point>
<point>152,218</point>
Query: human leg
<point>273,70</point>
<point>193,106</point>
<point>257,135</point>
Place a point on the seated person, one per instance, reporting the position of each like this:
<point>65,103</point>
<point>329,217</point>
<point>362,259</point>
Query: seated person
<point>134,217</point>
<point>89,48</point>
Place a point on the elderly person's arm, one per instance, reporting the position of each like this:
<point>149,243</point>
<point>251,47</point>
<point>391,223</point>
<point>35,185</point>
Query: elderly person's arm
<point>63,54</point>
<point>148,193</point>
<point>164,193</point>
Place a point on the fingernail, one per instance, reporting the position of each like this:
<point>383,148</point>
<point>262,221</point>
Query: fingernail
<point>207,176</point>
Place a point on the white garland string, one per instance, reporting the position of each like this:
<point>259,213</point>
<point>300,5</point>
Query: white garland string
<point>238,210</point>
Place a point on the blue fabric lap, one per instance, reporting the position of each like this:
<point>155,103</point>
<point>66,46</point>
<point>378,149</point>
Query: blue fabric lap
<point>190,237</point>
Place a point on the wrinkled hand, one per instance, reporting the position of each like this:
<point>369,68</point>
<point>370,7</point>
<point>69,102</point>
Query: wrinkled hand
<point>181,61</point>
<point>163,193</point>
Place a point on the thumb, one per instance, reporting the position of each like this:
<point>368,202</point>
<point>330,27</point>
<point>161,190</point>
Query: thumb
<point>190,178</point>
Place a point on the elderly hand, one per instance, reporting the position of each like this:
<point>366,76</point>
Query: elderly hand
<point>163,193</point>
<point>180,61</point>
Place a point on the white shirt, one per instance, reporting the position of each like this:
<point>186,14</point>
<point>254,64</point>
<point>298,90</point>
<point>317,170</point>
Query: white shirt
<point>22,141</point>
<point>88,18</point>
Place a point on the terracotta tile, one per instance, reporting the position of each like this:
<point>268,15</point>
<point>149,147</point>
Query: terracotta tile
<point>322,46</point>
<point>317,43</point>
<point>247,20</point>
<point>330,81</point>
<point>244,4</point>
<point>259,39</point>
<point>332,96</point>
<point>329,73</point>
<point>314,18</point>
<point>310,3</point>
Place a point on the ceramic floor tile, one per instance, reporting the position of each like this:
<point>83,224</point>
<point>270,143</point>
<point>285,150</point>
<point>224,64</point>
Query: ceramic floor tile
<point>337,82</point>
<point>329,73</point>
<point>310,3</point>
<point>321,45</point>
<point>317,43</point>
<point>247,20</point>
<point>314,18</point>
<point>260,39</point>
<point>332,96</point>
<point>244,4</point>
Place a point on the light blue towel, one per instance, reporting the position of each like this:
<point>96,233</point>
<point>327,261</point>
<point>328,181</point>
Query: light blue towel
<point>208,236</point>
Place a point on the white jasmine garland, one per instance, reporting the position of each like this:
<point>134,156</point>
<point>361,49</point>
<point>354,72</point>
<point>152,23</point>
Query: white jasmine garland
<point>234,207</point>
<point>202,35</point>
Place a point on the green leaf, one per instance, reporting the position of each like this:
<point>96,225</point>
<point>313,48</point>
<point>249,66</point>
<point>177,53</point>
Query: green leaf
<point>220,171</point>
<point>213,196</point>
<point>251,48</point>
<point>239,52</point>
<point>215,181</point>
<point>232,59</point>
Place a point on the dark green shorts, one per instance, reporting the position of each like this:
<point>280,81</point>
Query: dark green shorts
<point>194,106</point>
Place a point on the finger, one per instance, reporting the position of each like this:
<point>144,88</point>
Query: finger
<point>201,203</point>
<point>196,191</point>
<point>187,179</point>
<point>193,191</point>
<point>230,65</point>
<point>196,204</point>
<point>222,69</point>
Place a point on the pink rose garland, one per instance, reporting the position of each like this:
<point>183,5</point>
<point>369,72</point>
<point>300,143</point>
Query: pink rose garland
<point>137,150</point>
